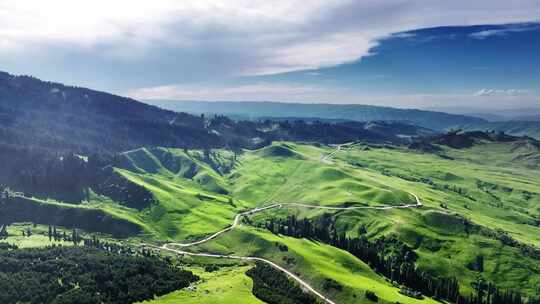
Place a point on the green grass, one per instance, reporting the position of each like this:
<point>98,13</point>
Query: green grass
<point>490,184</point>
<point>313,262</point>
<point>195,191</point>
<point>443,246</point>
<point>38,238</point>
<point>228,285</point>
<point>286,172</point>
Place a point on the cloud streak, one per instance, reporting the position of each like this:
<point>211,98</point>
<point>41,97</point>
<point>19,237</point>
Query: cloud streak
<point>501,92</point>
<point>504,31</point>
<point>258,91</point>
<point>302,93</point>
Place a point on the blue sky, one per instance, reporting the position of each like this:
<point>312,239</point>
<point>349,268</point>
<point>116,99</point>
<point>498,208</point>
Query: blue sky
<point>486,63</point>
<point>405,53</point>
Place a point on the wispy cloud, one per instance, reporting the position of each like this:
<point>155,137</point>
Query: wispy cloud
<point>259,91</point>
<point>501,92</point>
<point>504,31</point>
<point>294,92</point>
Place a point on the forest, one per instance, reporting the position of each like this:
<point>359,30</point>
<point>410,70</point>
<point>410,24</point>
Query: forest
<point>85,275</point>
<point>67,177</point>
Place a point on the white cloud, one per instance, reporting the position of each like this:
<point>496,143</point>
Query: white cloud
<point>235,37</point>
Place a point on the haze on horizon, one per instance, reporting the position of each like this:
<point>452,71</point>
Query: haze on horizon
<point>468,55</point>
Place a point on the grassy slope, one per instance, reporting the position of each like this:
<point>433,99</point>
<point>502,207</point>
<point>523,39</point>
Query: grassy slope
<point>190,195</point>
<point>228,285</point>
<point>39,237</point>
<point>443,246</point>
<point>287,172</point>
<point>271,174</point>
<point>313,262</point>
<point>283,172</point>
<point>194,196</point>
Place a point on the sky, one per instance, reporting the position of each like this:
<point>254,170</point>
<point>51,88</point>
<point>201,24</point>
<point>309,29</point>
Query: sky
<point>477,55</point>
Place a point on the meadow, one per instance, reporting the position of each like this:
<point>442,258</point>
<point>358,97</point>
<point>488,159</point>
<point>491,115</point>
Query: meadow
<point>473,199</point>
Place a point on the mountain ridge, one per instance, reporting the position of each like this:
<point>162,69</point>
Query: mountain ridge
<point>254,109</point>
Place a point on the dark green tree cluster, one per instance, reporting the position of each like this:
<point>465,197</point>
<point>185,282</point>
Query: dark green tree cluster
<point>7,246</point>
<point>370,295</point>
<point>56,235</point>
<point>391,258</point>
<point>487,293</point>
<point>3,232</point>
<point>274,287</point>
<point>68,177</point>
<point>17,208</point>
<point>85,275</point>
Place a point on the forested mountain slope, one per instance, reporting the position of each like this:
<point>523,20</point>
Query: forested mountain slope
<point>35,113</point>
<point>52,115</point>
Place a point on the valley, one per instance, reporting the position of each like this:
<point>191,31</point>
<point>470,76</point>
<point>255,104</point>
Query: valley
<point>362,187</point>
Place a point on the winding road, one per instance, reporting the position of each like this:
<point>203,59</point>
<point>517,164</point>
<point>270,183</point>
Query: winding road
<point>236,222</point>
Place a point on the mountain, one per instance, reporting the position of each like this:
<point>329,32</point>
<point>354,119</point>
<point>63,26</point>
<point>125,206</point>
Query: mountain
<point>52,115</point>
<point>428,119</point>
<point>518,128</point>
<point>493,115</point>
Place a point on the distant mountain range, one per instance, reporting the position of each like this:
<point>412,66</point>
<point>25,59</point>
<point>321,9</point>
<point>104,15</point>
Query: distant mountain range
<point>53,116</point>
<point>428,119</point>
<point>494,115</point>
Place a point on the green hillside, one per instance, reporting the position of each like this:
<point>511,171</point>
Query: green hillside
<point>200,192</point>
<point>472,203</point>
<point>480,204</point>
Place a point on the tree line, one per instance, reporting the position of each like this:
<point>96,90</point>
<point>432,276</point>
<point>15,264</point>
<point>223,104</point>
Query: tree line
<point>274,287</point>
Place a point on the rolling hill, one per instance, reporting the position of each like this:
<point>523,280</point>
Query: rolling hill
<point>475,204</point>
